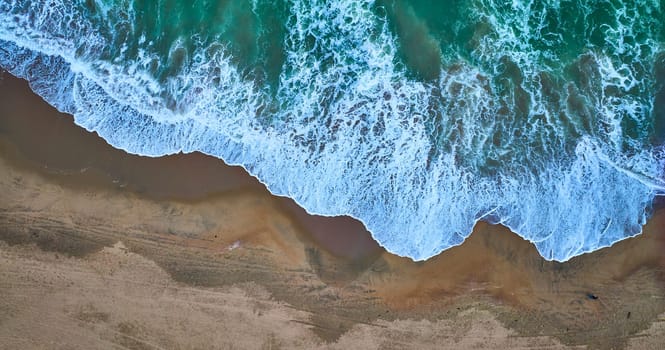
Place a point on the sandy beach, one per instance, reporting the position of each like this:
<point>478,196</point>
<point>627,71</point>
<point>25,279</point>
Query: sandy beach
<point>102,249</point>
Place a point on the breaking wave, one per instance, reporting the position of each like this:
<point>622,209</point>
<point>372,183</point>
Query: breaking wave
<point>545,116</point>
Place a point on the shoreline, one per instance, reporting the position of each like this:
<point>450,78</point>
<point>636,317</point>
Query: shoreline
<point>235,177</point>
<point>69,186</point>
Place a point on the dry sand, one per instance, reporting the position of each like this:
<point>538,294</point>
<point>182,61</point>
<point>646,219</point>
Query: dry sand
<point>100,249</point>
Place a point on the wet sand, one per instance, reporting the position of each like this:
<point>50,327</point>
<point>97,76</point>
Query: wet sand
<point>100,248</point>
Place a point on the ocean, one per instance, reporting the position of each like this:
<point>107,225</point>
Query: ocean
<point>419,118</point>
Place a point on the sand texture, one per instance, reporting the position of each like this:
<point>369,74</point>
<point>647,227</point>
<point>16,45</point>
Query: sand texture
<point>104,250</point>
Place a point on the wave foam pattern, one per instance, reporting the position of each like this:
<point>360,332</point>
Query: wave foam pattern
<point>347,131</point>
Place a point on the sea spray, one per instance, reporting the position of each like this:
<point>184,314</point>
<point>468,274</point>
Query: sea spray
<point>419,119</point>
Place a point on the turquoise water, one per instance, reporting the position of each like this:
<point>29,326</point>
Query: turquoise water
<point>417,117</point>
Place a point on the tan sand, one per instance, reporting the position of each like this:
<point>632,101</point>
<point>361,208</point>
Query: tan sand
<point>101,249</point>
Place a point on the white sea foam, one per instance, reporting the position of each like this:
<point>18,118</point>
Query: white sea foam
<point>353,135</point>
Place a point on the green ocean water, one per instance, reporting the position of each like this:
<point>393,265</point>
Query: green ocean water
<point>554,37</point>
<point>417,117</point>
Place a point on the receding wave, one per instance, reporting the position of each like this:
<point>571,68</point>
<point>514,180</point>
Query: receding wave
<point>418,119</point>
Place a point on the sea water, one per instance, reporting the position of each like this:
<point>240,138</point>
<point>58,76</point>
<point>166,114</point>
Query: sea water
<point>418,118</point>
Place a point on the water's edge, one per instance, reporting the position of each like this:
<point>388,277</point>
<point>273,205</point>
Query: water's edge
<point>557,141</point>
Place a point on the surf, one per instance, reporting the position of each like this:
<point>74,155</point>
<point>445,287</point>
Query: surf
<point>324,102</point>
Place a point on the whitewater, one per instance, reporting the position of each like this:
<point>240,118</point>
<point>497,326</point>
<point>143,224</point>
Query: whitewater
<point>417,127</point>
